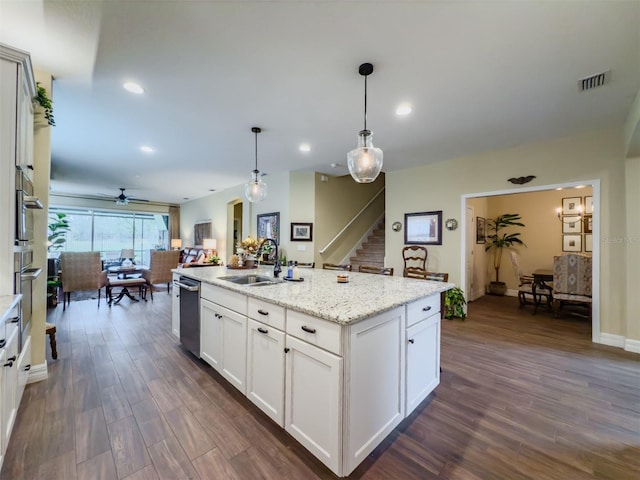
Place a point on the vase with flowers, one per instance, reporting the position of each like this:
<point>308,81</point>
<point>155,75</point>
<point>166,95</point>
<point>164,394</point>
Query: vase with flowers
<point>247,250</point>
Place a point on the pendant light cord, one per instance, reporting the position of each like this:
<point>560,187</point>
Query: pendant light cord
<point>365,101</point>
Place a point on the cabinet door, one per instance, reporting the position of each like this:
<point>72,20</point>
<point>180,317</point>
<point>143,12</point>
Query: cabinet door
<point>313,407</point>
<point>24,365</point>
<point>211,334</point>
<point>9,384</point>
<point>265,369</point>
<point>234,348</point>
<point>175,308</point>
<point>423,360</point>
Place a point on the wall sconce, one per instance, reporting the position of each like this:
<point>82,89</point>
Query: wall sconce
<point>176,243</point>
<point>209,245</point>
<point>570,219</point>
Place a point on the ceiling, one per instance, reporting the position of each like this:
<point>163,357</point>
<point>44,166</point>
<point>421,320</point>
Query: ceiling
<point>479,75</point>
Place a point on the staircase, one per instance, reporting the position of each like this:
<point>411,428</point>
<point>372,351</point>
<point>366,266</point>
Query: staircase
<point>372,250</point>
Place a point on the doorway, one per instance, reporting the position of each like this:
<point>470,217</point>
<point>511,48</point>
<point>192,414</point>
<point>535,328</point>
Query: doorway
<point>469,233</point>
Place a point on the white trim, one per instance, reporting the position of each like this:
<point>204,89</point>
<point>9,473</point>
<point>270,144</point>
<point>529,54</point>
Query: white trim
<point>631,345</point>
<point>596,336</point>
<point>37,373</point>
<point>611,340</point>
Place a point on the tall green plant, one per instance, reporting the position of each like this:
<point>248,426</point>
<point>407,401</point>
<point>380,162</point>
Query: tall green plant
<point>58,229</point>
<point>45,102</point>
<point>500,240</point>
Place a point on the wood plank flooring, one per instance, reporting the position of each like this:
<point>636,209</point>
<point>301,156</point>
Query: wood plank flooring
<point>521,397</point>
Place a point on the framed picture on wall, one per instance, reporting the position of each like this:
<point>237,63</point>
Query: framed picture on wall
<point>269,226</point>
<point>588,242</point>
<point>201,230</point>
<point>572,243</point>
<point>588,224</point>
<point>424,228</point>
<point>301,232</point>
<point>481,230</point>
<point>572,224</point>
<point>572,206</point>
<point>588,205</point>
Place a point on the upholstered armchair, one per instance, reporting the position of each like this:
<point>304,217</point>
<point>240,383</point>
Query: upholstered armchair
<point>572,274</point>
<point>160,266</point>
<point>81,271</point>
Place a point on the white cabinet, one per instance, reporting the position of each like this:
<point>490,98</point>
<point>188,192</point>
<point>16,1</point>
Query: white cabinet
<point>223,337</point>
<point>175,307</point>
<point>265,369</point>
<point>9,386</point>
<point>24,366</point>
<point>313,400</point>
<point>423,356</point>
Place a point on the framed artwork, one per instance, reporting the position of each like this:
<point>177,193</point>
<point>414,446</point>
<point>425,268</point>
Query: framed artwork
<point>588,205</point>
<point>424,228</point>
<point>572,224</point>
<point>588,224</point>
<point>588,242</point>
<point>201,230</point>
<point>269,226</point>
<point>572,243</point>
<point>481,230</point>
<point>301,232</point>
<point>572,206</point>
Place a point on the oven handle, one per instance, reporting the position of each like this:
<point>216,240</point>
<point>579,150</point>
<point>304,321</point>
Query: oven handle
<point>189,288</point>
<point>32,202</point>
<point>30,274</point>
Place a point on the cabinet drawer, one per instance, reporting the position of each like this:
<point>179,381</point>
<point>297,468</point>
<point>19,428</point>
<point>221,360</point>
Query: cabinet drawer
<point>315,331</point>
<point>266,312</point>
<point>232,300</point>
<point>423,308</point>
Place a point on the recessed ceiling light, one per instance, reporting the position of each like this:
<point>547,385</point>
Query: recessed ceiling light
<point>133,87</point>
<point>305,147</point>
<point>403,109</point>
<point>147,149</point>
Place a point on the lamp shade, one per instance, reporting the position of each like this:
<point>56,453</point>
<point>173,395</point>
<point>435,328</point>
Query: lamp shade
<point>255,190</point>
<point>209,244</point>
<point>127,253</point>
<point>176,243</point>
<point>365,161</point>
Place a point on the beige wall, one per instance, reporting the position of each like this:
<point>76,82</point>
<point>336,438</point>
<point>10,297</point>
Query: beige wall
<point>302,206</point>
<point>632,243</point>
<point>591,155</point>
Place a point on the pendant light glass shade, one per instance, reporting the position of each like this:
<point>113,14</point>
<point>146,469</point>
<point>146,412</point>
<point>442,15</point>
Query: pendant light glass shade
<point>256,189</point>
<point>365,161</point>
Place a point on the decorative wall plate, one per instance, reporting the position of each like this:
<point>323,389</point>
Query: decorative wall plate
<point>451,223</point>
<point>396,226</point>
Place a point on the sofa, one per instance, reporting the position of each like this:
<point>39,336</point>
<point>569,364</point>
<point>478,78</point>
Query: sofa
<point>191,255</point>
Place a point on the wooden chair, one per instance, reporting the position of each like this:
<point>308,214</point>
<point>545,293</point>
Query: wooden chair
<point>377,270</point>
<point>438,277</point>
<point>81,271</point>
<point>160,265</point>
<point>333,266</point>
<point>307,264</point>
<point>414,272</point>
<point>525,286</point>
<point>50,329</point>
<point>415,258</point>
<point>572,277</point>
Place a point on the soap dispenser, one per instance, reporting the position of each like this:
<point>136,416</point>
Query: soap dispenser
<point>290,270</point>
<point>296,272</point>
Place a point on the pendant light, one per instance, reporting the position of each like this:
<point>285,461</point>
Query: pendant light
<point>256,189</point>
<point>365,161</point>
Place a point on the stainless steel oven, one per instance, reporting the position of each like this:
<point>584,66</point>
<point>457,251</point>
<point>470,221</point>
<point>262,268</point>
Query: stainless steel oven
<point>25,203</point>
<point>25,274</point>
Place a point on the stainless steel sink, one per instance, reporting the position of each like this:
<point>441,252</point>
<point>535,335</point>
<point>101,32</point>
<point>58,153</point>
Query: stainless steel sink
<point>250,280</point>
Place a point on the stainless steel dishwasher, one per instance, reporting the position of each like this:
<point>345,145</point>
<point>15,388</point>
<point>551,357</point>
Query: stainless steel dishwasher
<point>189,314</point>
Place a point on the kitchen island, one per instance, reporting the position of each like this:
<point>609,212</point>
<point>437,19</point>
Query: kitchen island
<point>338,365</point>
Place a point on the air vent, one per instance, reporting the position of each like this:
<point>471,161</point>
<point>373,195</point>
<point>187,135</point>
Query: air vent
<point>594,81</point>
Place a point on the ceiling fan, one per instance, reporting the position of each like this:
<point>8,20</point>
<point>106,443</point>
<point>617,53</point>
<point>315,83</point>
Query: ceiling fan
<point>122,199</point>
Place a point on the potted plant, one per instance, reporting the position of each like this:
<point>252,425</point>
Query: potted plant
<point>454,303</point>
<point>500,240</point>
<point>46,103</point>
<point>58,229</point>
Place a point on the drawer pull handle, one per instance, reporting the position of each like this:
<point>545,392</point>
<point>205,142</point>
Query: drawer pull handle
<point>262,312</point>
<point>426,309</point>
<point>3,342</point>
<point>12,359</point>
<point>15,319</point>
<point>308,330</point>
<point>27,368</point>
<point>286,349</point>
<point>411,340</point>
<point>9,364</point>
<point>263,330</point>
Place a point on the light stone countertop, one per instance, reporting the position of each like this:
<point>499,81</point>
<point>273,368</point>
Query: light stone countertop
<point>7,302</point>
<point>321,295</point>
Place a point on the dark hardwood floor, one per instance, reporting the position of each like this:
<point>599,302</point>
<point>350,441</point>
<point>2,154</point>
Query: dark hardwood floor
<point>521,397</point>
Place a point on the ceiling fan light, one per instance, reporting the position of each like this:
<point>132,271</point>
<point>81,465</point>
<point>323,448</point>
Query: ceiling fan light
<point>365,161</point>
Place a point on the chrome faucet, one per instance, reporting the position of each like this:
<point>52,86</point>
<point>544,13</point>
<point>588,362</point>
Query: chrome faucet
<point>276,267</point>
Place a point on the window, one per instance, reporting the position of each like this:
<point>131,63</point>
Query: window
<point>109,232</point>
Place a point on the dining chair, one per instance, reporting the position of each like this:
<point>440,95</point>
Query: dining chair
<point>525,282</point>
<point>307,264</point>
<point>333,266</point>
<point>160,265</point>
<point>415,258</point>
<point>81,271</point>
<point>572,277</point>
<point>376,270</point>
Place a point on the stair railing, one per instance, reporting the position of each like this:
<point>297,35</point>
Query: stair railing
<point>351,222</point>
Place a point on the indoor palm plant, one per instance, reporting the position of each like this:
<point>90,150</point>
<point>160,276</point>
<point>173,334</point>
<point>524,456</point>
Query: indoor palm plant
<point>500,240</point>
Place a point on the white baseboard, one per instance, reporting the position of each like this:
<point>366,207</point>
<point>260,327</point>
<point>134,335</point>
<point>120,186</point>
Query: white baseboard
<point>631,345</point>
<point>37,373</point>
<point>511,293</point>
<point>612,340</point>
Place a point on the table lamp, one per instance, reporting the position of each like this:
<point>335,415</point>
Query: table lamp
<point>176,243</point>
<point>209,245</point>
